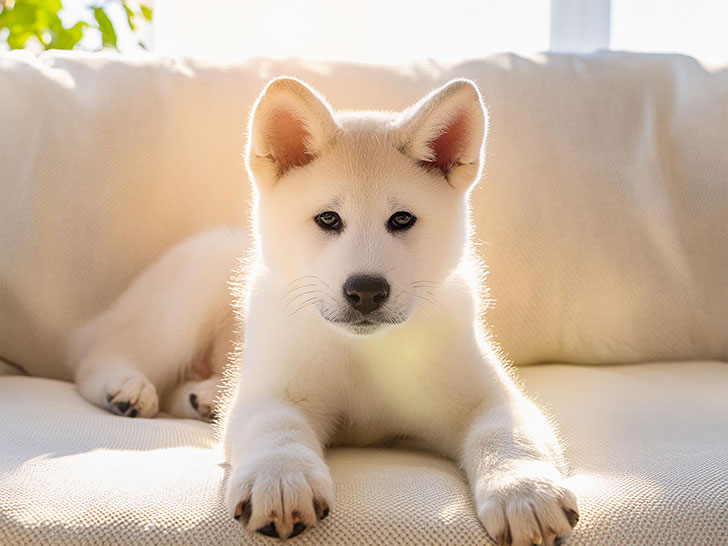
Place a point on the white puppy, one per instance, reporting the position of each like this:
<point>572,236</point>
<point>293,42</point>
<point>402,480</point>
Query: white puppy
<point>360,302</point>
<point>361,310</point>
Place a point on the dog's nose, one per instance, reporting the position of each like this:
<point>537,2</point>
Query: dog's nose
<point>366,293</point>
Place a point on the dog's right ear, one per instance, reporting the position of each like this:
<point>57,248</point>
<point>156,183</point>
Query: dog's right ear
<point>291,125</point>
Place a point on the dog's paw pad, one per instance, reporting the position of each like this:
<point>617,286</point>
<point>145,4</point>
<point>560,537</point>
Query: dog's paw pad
<point>132,397</point>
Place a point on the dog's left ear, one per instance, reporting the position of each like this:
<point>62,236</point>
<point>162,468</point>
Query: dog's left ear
<point>446,131</point>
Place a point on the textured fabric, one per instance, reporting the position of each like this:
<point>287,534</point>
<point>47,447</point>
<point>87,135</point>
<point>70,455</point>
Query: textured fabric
<point>648,445</point>
<point>72,473</point>
<point>649,449</point>
<point>602,215</point>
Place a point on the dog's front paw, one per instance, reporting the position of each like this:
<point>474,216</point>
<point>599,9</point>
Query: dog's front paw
<point>527,505</point>
<point>281,493</point>
<point>131,395</point>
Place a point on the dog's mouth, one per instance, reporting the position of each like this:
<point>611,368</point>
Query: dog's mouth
<point>362,325</point>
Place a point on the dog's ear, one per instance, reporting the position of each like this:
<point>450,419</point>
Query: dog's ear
<point>291,125</point>
<point>446,131</point>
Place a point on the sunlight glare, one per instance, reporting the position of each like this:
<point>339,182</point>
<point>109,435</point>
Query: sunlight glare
<point>377,31</point>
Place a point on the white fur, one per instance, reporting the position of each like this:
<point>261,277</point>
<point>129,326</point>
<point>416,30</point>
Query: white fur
<point>166,335</point>
<point>427,372</point>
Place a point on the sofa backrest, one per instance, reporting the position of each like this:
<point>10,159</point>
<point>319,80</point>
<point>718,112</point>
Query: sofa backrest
<point>602,214</point>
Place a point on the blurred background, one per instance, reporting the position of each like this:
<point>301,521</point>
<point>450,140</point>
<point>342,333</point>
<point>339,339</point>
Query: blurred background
<point>377,31</point>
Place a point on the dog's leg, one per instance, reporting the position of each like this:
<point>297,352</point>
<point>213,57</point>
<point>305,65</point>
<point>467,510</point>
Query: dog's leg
<point>513,462</point>
<point>193,399</point>
<point>110,382</point>
<point>279,483</point>
<point>172,320</point>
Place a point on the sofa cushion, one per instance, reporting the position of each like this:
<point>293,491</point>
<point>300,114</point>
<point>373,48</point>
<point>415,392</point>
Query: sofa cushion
<point>601,215</point>
<point>73,473</point>
<point>649,449</point>
<point>647,444</point>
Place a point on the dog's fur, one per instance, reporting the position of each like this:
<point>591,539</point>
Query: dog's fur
<point>167,336</point>
<point>316,370</point>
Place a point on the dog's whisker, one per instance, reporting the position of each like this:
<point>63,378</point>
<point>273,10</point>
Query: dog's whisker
<point>304,304</point>
<point>427,290</point>
<point>291,292</point>
<point>319,279</point>
<point>293,289</point>
<point>295,303</point>
<point>426,299</point>
<point>301,278</point>
<point>296,296</point>
<point>431,303</point>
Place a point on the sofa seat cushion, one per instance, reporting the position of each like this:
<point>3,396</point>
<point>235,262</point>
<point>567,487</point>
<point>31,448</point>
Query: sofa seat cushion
<point>648,445</point>
<point>649,448</point>
<point>73,473</point>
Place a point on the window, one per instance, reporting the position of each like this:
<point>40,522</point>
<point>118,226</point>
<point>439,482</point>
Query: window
<point>386,31</point>
<point>382,31</point>
<point>696,27</point>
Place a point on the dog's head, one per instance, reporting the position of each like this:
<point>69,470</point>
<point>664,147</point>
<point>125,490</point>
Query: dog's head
<point>361,215</point>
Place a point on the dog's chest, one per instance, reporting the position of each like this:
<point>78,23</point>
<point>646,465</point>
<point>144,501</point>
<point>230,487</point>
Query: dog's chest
<point>398,388</point>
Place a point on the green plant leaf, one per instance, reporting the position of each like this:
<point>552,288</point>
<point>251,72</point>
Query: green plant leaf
<point>29,20</point>
<point>22,14</point>
<point>129,16</point>
<point>108,34</point>
<point>17,39</point>
<point>67,38</point>
<point>49,5</point>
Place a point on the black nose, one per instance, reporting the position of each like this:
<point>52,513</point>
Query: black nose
<point>366,293</point>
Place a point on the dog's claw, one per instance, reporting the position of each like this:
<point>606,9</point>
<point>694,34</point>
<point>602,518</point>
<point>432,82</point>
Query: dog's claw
<point>132,396</point>
<point>572,516</point>
<point>268,530</point>
<point>321,508</point>
<point>243,511</point>
<point>204,409</point>
<point>298,528</point>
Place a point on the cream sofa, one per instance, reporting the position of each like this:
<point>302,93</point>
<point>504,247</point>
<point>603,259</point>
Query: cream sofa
<point>602,216</point>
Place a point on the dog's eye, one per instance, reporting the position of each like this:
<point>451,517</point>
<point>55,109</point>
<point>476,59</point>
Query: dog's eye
<point>329,220</point>
<point>400,221</point>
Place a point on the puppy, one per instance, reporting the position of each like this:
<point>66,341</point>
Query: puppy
<point>361,306</point>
